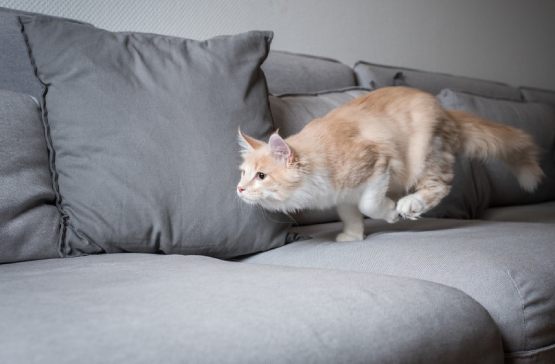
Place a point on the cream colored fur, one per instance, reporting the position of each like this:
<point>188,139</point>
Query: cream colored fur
<point>386,155</point>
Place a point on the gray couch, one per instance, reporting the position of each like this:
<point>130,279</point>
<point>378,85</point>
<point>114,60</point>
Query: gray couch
<point>471,287</point>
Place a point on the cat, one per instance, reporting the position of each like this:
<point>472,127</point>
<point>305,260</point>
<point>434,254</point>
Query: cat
<point>385,155</point>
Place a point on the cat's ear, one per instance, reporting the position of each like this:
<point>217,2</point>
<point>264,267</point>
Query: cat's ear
<point>248,143</point>
<point>279,148</point>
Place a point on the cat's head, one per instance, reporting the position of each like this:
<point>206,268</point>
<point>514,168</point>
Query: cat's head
<point>270,172</point>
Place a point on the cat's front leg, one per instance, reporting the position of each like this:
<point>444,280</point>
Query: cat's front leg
<point>374,202</point>
<point>381,209</point>
<point>353,223</point>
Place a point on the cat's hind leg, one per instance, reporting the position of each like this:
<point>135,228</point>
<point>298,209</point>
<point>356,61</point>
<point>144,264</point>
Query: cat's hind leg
<point>430,189</point>
<point>353,225</point>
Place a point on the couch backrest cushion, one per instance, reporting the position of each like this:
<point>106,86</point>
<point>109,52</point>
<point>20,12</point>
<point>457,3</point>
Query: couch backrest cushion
<point>29,220</point>
<point>375,76</point>
<point>538,95</point>
<point>297,73</point>
<point>144,132</point>
<point>536,119</point>
<point>293,111</point>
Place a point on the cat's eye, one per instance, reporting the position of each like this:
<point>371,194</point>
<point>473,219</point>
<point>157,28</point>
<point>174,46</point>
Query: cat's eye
<point>260,175</point>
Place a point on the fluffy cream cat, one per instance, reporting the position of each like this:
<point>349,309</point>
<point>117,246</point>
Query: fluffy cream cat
<point>386,155</point>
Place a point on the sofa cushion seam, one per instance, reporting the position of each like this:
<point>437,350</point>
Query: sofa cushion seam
<point>531,352</point>
<point>522,307</point>
<point>51,152</point>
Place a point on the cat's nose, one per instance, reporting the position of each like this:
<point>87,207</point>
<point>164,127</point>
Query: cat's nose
<point>240,189</point>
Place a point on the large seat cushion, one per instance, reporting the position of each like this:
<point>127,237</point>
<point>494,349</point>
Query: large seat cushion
<point>506,267</point>
<point>299,73</point>
<point>143,130</point>
<point>291,112</point>
<point>135,308</point>
<point>29,220</point>
<point>375,75</point>
<point>536,119</point>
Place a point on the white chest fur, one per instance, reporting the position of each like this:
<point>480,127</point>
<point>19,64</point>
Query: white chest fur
<point>317,192</point>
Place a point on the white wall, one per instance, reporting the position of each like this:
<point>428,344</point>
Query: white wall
<point>505,40</point>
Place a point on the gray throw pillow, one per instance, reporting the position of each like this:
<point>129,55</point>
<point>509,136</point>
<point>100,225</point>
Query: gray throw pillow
<point>16,72</point>
<point>470,192</point>
<point>29,220</point>
<point>291,112</point>
<point>143,132</point>
<point>536,119</point>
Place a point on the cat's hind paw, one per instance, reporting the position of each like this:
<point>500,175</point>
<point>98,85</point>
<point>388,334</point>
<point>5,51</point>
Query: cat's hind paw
<point>349,237</point>
<point>411,207</point>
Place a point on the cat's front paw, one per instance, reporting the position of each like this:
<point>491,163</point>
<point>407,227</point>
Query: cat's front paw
<point>349,237</point>
<point>411,207</point>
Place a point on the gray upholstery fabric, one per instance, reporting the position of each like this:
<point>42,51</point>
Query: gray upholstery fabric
<point>374,75</point>
<point>298,73</point>
<point>542,356</point>
<point>29,220</point>
<point>134,308</point>
<point>541,212</point>
<point>506,267</point>
<point>536,119</point>
<point>538,95</point>
<point>16,72</point>
<point>292,112</point>
<point>469,196</point>
<point>143,128</point>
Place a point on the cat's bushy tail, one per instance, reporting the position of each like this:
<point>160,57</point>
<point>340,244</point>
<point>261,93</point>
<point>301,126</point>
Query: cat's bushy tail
<point>484,139</point>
